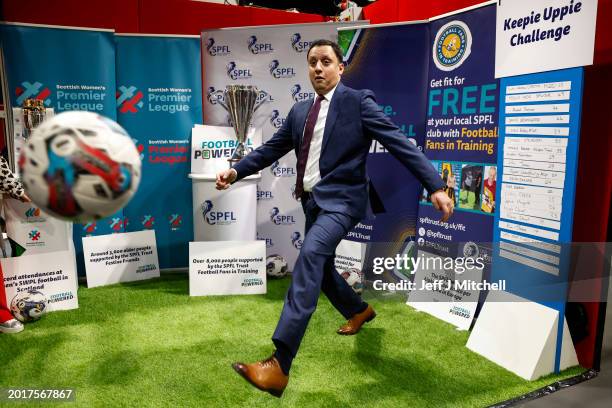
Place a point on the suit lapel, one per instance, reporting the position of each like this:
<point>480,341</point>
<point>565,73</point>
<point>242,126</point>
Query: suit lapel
<point>301,116</point>
<point>332,114</point>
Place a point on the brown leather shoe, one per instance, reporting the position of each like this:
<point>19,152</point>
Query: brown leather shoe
<point>353,325</point>
<point>266,375</point>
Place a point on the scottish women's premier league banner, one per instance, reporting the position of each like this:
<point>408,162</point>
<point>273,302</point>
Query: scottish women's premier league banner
<point>159,99</point>
<point>68,69</point>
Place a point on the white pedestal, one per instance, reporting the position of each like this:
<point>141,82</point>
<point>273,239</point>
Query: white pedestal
<point>520,336</point>
<point>227,215</point>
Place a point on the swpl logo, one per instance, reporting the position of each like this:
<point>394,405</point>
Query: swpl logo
<point>29,90</point>
<point>90,227</point>
<point>34,235</point>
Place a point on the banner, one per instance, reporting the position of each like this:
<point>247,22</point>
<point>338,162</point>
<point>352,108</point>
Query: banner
<point>126,257</point>
<point>227,268</point>
<point>158,102</point>
<point>392,62</point>
<point>52,273</point>
<point>461,141</point>
<point>273,58</point>
<point>68,69</point>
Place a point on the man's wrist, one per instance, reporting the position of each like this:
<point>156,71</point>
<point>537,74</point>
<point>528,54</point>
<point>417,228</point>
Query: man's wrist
<point>434,192</point>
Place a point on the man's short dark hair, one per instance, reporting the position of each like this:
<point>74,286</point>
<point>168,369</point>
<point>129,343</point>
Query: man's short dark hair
<point>321,43</point>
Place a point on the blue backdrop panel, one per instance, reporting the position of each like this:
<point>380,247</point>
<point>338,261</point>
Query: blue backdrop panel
<point>461,133</point>
<point>68,69</point>
<point>392,62</point>
<point>159,99</point>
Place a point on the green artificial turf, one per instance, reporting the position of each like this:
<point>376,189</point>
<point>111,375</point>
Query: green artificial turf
<point>150,344</point>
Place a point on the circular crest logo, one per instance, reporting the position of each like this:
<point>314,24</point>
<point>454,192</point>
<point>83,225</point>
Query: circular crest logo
<point>452,45</point>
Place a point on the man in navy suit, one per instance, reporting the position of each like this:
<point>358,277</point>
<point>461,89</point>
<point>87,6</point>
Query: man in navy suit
<point>331,136</point>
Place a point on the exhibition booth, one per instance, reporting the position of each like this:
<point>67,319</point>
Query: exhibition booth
<point>506,100</point>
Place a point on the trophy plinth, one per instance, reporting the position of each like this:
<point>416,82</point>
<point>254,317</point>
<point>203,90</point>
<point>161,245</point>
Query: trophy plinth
<point>240,101</point>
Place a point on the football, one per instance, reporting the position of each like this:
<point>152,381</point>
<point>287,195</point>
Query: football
<point>354,278</point>
<point>80,166</point>
<point>29,306</point>
<point>276,266</point>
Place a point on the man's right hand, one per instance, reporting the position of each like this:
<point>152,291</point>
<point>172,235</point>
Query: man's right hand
<point>443,203</point>
<point>225,178</point>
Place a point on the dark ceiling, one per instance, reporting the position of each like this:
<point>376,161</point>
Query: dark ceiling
<point>323,7</point>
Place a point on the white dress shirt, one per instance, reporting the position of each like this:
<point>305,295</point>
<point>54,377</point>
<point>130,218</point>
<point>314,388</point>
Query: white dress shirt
<point>312,174</point>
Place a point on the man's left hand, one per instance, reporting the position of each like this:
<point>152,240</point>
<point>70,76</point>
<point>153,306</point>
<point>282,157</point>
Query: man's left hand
<point>442,202</point>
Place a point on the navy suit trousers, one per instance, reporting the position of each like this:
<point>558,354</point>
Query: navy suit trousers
<point>314,272</point>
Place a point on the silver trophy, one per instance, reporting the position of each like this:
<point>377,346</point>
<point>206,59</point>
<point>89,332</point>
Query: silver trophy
<point>241,102</point>
<point>33,114</point>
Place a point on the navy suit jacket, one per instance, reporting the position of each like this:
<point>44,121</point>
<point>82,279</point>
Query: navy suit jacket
<point>353,120</point>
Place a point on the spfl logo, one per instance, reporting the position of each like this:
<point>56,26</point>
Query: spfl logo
<point>296,240</point>
<point>34,235</point>
<point>175,221</point>
<point>452,45</point>
<point>148,221</point>
<point>277,218</point>
<point>263,97</point>
<point>297,43</point>
<point>276,120</point>
<point>32,212</point>
<point>217,217</point>
<point>129,99</point>
<point>236,73</point>
<point>216,50</point>
<point>259,48</point>
<point>90,227</point>
<point>298,95</point>
<point>277,71</point>
<point>264,195</point>
<point>215,96</point>
<point>269,242</point>
<point>35,90</point>
<point>278,171</point>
